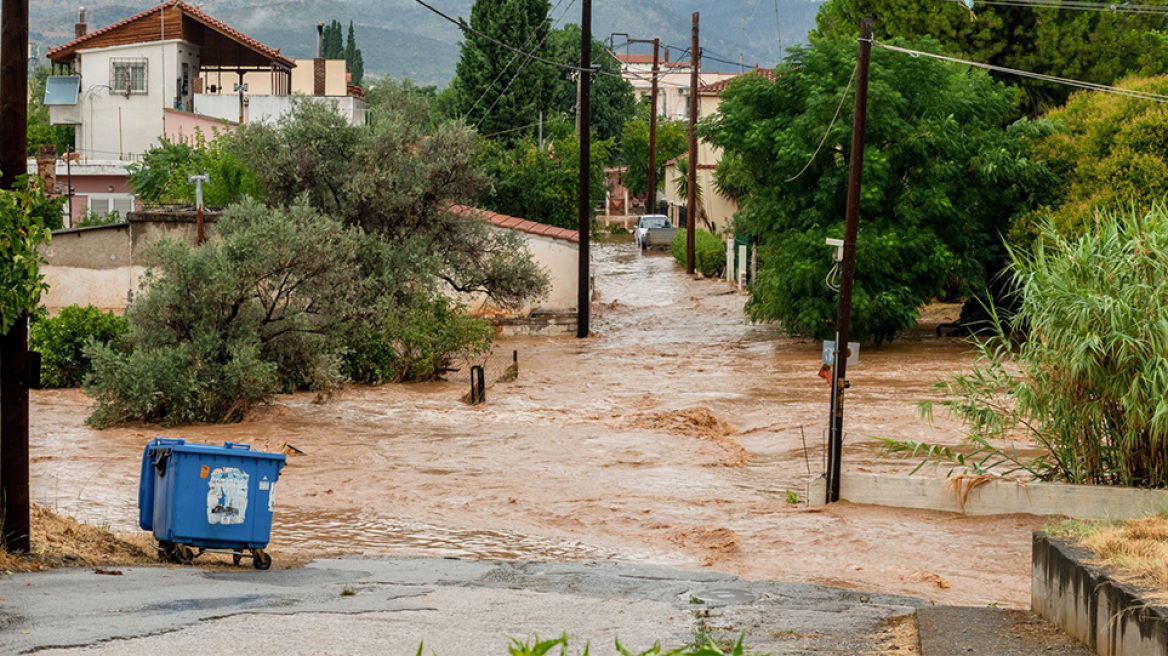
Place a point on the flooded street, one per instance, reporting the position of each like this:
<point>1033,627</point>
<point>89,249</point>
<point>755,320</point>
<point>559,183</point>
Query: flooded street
<point>675,435</point>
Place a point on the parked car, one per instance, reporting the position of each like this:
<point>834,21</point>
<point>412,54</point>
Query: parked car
<point>653,230</point>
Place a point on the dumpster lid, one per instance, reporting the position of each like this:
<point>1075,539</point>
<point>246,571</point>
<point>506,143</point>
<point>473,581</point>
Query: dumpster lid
<point>179,445</point>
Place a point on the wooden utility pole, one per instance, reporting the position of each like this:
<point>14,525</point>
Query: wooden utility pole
<point>691,201</point>
<point>843,322</point>
<point>652,204</point>
<point>584,291</point>
<point>14,343</point>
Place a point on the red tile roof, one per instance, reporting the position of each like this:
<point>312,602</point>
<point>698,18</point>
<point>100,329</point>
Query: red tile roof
<point>187,10</point>
<point>515,223</point>
<point>720,85</point>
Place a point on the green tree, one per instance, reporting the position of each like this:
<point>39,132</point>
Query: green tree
<point>40,131</point>
<point>333,43</point>
<point>611,98</point>
<point>944,168</point>
<point>543,185</point>
<point>1110,153</point>
<point>161,177</point>
<point>672,141</point>
<point>27,217</point>
<point>354,62</point>
<point>1093,46</point>
<point>496,89</point>
<point>393,178</point>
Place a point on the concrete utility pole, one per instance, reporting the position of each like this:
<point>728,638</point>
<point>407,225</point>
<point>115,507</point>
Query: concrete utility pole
<point>584,115</point>
<point>14,343</point>
<point>691,212</point>
<point>843,321</point>
<point>652,209</point>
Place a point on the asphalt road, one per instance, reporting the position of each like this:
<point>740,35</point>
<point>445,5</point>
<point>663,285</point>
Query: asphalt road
<point>456,607</point>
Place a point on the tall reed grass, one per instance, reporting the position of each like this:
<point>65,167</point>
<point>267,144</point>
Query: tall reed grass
<point>1081,368</point>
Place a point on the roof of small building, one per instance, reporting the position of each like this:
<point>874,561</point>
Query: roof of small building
<point>64,51</point>
<point>720,85</point>
<point>516,223</point>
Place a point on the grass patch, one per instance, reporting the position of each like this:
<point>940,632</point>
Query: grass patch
<point>1137,549</point>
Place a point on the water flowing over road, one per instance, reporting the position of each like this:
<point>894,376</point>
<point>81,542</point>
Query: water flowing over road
<point>675,435</point>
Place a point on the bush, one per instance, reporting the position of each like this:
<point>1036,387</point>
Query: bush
<point>225,326</point>
<point>62,340</point>
<point>1089,387</point>
<point>709,252</point>
<point>416,344</point>
<point>91,219</point>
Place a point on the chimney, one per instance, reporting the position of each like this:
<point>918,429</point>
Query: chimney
<point>318,72</point>
<point>46,159</point>
<point>79,28</point>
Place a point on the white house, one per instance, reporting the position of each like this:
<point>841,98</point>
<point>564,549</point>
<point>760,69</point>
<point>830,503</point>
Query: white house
<point>127,84</point>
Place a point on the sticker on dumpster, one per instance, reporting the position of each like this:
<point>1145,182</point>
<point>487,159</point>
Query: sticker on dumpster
<point>272,497</point>
<point>227,496</point>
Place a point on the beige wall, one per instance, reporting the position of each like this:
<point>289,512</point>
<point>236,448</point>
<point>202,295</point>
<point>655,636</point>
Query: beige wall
<point>102,266</point>
<point>260,83</point>
<point>558,259</point>
<point>89,266</point>
<point>719,208</point>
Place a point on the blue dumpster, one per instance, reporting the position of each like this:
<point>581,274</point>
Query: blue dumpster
<point>209,498</point>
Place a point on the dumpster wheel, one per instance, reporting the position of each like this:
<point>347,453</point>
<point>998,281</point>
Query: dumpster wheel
<point>236,556</point>
<point>176,553</point>
<point>260,559</point>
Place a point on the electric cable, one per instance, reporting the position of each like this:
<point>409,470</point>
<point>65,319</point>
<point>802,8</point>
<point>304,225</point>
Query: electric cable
<point>826,132</point>
<point>1091,86</point>
<point>522,67</point>
<point>1075,5</point>
<point>468,29</point>
<point>514,56</point>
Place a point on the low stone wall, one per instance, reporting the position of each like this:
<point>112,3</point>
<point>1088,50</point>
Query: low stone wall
<point>1085,602</point>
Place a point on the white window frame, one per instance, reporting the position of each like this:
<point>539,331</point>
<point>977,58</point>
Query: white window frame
<point>121,66</point>
<point>106,203</point>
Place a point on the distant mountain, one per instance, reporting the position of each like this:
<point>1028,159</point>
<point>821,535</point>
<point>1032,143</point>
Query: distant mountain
<point>400,38</point>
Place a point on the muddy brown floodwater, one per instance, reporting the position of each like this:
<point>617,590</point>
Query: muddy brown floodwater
<point>670,436</point>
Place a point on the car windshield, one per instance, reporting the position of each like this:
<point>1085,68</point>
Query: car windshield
<point>654,222</point>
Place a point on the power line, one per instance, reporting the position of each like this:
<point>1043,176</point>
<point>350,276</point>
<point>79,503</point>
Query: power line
<point>523,127</point>
<point>467,28</point>
<point>1131,93</point>
<point>522,68</point>
<point>829,127</point>
<point>1075,5</point>
<point>503,70</point>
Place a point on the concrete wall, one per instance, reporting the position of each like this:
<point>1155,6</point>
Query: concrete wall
<point>103,266</point>
<point>269,109</point>
<point>979,496</point>
<point>553,315</point>
<point>182,126</point>
<point>1109,617</point>
<point>304,78</point>
<point>115,126</point>
<point>90,266</point>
